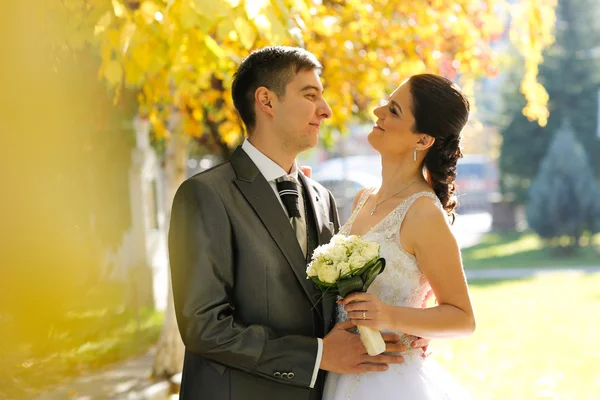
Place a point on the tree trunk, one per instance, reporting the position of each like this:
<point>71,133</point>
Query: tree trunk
<point>168,360</point>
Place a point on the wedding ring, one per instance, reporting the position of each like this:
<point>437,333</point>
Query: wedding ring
<point>364,315</point>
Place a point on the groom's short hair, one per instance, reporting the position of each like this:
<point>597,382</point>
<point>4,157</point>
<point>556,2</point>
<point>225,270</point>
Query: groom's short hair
<point>272,67</point>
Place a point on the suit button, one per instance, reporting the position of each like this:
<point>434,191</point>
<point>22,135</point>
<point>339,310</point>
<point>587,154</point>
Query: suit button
<point>284,375</point>
<point>291,375</point>
<point>277,374</point>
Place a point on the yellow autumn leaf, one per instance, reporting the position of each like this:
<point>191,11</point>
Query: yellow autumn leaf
<point>113,72</point>
<point>197,114</point>
<point>135,74</point>
<point>126,34</point>
<point>188,17</point>
<point>246,32</point>
<point>281,11</point>
<point>278,31</point>
<point>254,7</point>
<point>141,55</point>
<point>224,28</point>
<point>230,133</point>
<point>212,9</point>
<point>214,47</point>
<point>148,11</point>
<point>119,9</point>
<point>103,23</point>
<point>269,25</point>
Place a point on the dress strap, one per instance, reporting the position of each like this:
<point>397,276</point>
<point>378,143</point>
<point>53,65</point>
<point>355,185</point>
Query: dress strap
<point>364,196</point>
<point>405,206</point>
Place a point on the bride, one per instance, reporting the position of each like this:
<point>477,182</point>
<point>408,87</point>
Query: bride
<point>417,134</point>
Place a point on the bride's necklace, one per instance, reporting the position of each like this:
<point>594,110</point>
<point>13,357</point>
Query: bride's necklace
<point>386,199</point>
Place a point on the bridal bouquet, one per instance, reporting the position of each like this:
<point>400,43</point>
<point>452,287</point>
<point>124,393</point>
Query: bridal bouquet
<point>346,265</point>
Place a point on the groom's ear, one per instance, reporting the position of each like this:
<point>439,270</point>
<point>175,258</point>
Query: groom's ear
<point>264,100</point>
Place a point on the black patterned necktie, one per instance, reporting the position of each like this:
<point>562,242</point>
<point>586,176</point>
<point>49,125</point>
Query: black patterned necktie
<point>288,192</point>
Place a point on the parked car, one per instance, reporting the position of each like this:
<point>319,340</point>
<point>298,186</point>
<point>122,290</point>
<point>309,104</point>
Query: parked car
<point>477,178</point>
<point>345,176</point>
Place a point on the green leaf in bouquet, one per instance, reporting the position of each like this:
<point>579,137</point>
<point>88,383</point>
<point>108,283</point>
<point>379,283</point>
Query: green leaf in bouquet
<point>349,285</point>
<point>322,285</point>
<point>359,281</point>
<point>328,290</point>
<point>369,275</point>
<point>365,267</point>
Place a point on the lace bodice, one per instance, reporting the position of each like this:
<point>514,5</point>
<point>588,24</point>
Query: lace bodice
<point>401,283</point>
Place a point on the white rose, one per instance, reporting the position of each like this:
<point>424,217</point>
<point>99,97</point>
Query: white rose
<point>311,271</point>
<point>344,269</point>
<point>351,244</point>
<point>337,254</point>
<point>322,250</point>
<point>338,240</point>
<point>356,261</point>
<point>370,251</point>
<point>328,274</point>
<point>353,241</point>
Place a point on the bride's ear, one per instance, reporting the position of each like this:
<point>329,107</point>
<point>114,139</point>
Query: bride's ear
<point>426,141</point>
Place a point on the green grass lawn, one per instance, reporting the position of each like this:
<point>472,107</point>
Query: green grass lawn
<point>535,339</point>
<point>524,250</point>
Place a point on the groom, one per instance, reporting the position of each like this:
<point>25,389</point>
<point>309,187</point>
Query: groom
<point>239,241</point>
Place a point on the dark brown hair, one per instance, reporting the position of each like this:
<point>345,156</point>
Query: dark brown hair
<point>272,67</point>
<point>441,110</point>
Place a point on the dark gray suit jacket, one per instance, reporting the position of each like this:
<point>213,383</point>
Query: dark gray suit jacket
<point>248,316</point>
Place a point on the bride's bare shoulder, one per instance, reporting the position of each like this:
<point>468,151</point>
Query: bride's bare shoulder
<point>425,212</point>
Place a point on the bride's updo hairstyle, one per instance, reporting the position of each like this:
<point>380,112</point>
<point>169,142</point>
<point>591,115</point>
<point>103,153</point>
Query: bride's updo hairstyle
<point>440,110</point>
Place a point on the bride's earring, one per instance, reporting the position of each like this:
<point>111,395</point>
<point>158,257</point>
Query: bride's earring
<point>415,154</point>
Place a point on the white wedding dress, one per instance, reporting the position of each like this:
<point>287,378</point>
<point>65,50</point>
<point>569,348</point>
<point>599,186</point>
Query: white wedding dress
<point>400,284</point>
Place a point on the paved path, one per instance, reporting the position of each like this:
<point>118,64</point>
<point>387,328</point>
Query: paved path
<point>127,380</point>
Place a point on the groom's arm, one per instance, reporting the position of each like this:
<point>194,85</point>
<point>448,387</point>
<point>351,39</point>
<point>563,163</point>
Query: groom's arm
<point>201,251</point>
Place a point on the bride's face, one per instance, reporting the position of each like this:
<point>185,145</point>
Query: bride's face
<point>393,129</point>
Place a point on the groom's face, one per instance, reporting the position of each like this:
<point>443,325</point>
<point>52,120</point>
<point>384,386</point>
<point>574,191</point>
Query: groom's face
<point>300,112</point>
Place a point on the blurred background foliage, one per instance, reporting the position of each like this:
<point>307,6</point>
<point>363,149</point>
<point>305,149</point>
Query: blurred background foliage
<point>78,72</point>
<point>182,54</point>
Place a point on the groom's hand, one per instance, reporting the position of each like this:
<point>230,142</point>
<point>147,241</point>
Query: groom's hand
<point>344,353</point>
<point>392,344</point>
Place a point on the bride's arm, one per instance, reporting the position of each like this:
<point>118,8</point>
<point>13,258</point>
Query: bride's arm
<point>426,234</point>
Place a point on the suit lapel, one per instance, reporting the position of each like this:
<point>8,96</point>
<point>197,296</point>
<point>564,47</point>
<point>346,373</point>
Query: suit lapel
<point>313,203</point>
<point>321,215</point>
<point>262,199</point>
<point>324,237</point>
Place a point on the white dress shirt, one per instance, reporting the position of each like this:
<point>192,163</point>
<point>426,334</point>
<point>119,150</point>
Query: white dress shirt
<point>271,171</point>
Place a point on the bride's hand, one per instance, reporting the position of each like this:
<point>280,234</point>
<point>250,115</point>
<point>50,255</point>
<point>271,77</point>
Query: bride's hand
<point>365,309</point>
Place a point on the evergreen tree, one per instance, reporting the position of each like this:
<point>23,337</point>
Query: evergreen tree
<point>594,213</point>
<point>563,197</point>
<point>571,75</point>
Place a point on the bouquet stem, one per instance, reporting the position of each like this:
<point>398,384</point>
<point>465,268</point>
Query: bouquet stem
<point>372,340</point>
